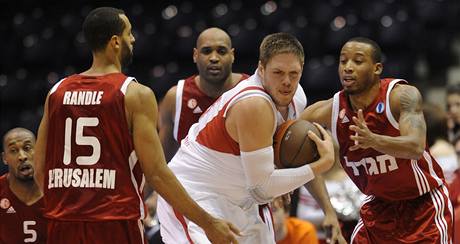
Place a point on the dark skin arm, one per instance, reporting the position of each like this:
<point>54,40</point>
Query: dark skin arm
<point>40,148</point>
<point>166,124</point>
<point>141,107</point>
<point>406,107</point>
<point>321,113</point>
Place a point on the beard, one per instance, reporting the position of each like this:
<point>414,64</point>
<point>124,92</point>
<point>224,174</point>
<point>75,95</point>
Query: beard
<point>126,55</point>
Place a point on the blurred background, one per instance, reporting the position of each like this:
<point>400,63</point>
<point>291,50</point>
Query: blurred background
<point>41,42</point>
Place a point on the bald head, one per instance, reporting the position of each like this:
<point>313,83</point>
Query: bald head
<point>17,131</point>
<point>213,33</point>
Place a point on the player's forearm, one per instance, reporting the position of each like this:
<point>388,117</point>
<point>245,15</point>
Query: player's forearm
<point>400,147</point>
<point>167,185</point>
<point>318,190</point>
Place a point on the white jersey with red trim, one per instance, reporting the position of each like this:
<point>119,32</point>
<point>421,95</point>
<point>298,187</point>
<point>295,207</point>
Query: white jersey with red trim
<point>209,159</point>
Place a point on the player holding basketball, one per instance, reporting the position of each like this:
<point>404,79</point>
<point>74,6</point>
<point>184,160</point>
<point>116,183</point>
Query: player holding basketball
<point>226,161</point>
<point>21,202</point>
<point>185,102</point>
<point>379,126</point>
<point>98,138</point>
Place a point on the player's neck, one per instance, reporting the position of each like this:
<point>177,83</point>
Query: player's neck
<point>284,111</point>
<point>364,99</point>
<point>26,191</point>
<point>215,90</point>
<point>103,65</point>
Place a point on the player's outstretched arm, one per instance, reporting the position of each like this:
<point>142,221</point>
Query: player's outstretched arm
<point>405,103</point>
<point>166,124</point>
<point>40,148</point>
<point>321,112</point>
<point>142,112</point>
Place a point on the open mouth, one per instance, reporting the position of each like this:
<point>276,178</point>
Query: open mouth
<point>348,81</point>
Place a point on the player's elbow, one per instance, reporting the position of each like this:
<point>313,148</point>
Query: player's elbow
<point>417,150</point>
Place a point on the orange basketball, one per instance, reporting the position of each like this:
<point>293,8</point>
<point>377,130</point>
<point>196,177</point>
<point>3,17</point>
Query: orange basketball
<point>292,146</point>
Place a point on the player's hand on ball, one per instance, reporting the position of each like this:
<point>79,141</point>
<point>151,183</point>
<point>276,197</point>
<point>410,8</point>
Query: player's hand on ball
<point>325,148</point>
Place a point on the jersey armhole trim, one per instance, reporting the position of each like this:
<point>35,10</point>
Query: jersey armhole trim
<point>388,113</point>
<point>179,92</point>
<point>55,87</point>
<point>335,115</point>
<point>124,87</point>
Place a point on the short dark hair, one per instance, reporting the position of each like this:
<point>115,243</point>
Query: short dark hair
<point>278,43</point>
<point>453,89</point>
<point>100,25</point>
<point>376,52</point>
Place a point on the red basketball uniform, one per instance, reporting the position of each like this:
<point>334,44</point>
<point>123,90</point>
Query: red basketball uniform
<point>91,172</point>
<point>20,223</point>
<point>191,102</point>
<point>407,199</point>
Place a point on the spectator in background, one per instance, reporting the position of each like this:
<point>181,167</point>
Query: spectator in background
<point>441,149</point>
<point>290,230</point>
<point>21,201</point>
<point>453,109</point>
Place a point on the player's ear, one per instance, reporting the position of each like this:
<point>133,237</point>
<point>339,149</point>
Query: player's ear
<point>195,54</point>
<point>115,42</point>
<point>232,52</point>
<point>378,68</point>
<point>3,158</point>
<point>260,69</point>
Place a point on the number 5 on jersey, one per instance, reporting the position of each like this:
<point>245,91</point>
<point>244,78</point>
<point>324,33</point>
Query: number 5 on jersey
<point>82,140</point>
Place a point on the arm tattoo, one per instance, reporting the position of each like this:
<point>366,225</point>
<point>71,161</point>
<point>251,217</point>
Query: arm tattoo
<point>410,102</point>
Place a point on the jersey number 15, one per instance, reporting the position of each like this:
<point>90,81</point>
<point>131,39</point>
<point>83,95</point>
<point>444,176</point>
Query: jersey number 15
<point>82,140</point>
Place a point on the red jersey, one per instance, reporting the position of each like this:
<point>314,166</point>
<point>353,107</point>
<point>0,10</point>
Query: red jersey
<point>20,223</point>
<point>91,171</point>
<point>373,172</point>
<point>191,102</point>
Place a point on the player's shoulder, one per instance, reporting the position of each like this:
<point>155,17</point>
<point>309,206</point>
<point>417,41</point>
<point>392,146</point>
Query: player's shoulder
<point>403,91</point>
<point>139,94</point>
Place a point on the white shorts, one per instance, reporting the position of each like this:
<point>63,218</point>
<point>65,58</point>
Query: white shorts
<point>176,229</point>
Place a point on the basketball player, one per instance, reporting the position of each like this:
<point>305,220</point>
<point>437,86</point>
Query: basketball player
<point>380,128</point>
<point>21,202</point>
<point>97,136</point>
<point>226,161</point>
<point>184,103</point>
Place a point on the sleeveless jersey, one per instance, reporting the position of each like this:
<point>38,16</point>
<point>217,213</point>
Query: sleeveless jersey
<point>191,102</point>
<point>209,158</point>
<point>91,171</point>
<point>20,223</point>
<point>373,172</point>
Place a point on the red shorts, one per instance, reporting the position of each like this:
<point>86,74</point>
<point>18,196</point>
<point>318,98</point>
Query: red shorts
<point>265,213</point>
<point>103,232</point>
<point>426,219</point>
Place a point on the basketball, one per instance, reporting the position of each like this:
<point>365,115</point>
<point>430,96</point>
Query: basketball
<point>292,146</point>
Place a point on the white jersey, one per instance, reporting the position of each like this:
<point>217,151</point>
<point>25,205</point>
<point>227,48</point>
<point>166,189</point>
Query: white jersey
<point>209,159</point>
